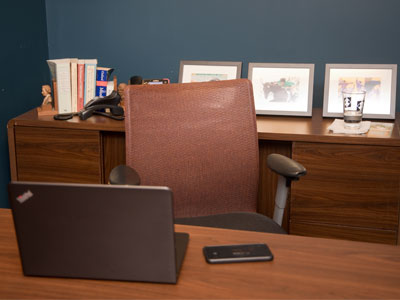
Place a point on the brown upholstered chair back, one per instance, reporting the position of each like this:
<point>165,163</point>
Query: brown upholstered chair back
<point>199,139</point>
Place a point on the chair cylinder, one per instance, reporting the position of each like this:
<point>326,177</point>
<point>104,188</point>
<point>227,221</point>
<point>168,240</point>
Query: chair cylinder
<point>280,199</point>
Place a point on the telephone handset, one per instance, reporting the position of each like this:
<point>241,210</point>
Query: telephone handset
<point>96,106</point>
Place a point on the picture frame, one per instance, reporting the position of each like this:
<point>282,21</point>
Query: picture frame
<point>200,71</point>
<point>282,88</point>
<point>378,80</point>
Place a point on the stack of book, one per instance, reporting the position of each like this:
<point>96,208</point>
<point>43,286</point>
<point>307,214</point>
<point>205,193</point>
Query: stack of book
<point>77,82</point>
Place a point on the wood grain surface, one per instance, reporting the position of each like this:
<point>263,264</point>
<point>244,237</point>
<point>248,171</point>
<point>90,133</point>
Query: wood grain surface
<point>31,118</point>
<point>348,185</point>
<point>58,155</point>
<point>113,151</point>
<point>11,149</point>
<point>337,231</point>
<point>315,129</point>
<point>303,268</point>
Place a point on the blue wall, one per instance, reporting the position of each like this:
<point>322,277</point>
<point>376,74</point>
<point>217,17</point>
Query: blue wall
<point>23,56</point>
<point>149,38</point>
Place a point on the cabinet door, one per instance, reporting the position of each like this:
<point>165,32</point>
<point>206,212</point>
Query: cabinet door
<point>350,191</point>
<point>58,155</point>
<point>268,179</point>
<point>113,151</point>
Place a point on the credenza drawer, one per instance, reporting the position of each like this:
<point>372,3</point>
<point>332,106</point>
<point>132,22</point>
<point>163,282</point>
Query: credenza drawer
<point>356,186</point>
<point>58,155</point>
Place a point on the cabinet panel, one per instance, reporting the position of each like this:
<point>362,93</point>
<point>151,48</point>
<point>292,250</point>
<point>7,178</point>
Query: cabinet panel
<point>268,180</point>
<point>347,185</point>
<point>58,155</point>
<point>114,151</point>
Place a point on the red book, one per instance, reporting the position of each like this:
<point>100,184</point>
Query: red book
<point>81,84</point>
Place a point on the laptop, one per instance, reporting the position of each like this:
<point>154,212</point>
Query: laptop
<point>97,231</point>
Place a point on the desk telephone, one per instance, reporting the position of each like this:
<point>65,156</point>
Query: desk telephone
<point>97,106</point>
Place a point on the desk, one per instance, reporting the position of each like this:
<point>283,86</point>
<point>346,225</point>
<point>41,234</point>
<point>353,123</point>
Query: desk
<point>303,268</point>
<point>351,190</point>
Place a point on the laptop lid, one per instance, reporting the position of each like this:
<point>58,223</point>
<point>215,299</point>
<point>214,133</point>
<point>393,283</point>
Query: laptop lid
<point>96,231</point>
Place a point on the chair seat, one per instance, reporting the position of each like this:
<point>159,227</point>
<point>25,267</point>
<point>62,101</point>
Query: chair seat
<point>238,220</point>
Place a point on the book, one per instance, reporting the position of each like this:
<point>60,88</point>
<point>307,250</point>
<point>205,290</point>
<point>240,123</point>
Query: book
<point>110,87</point>
<point>80,84</point>
<point>74,85</point>
<point>102,76</point>
<point>90,79</point>
<point>60,70</point>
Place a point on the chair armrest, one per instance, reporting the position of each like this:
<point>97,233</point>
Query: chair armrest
<point>285,166</point>
<point>124,175</point>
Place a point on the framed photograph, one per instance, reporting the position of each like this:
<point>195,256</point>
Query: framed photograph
<point>379,82</point>
<point>200,71</point>
<point>282,89</point>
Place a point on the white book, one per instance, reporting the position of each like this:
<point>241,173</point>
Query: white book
<point>90,79</point>
<point>110,87</point>
<point>74,84</point>
<point>61,71</point>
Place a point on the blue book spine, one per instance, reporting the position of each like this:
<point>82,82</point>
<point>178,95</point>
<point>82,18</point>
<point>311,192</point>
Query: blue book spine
<point>101,91</point>
<point>101,82</point>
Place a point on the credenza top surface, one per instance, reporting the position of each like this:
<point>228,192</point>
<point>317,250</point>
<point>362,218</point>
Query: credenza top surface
<point>280,128</point>
<point>32,119</point>
<point>315,129</point>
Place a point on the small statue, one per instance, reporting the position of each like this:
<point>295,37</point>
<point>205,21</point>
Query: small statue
<point>121,89</point>
<point>46,92</point>
<point>47,105</point>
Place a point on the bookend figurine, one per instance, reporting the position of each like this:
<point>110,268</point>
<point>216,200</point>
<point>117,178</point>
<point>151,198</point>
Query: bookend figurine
<point>134,80</point>
<point>121,89</point>
<point>46,108</point>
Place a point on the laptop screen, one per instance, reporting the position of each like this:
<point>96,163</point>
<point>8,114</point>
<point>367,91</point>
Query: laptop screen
<point>95,231</point>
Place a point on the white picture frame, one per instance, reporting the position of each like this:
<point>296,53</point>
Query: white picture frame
<point>282,88</point>
<point>378,80</point>
<point>201,71</point>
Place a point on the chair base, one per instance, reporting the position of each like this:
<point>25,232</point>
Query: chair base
<point>239,221</point>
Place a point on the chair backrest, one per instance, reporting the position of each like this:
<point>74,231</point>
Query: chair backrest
<point>199,139</point>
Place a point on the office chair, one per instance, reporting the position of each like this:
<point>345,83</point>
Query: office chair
<point>200,140</point>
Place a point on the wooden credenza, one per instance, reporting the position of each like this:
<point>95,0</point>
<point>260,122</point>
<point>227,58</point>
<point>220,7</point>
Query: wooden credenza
<point>351,191</point>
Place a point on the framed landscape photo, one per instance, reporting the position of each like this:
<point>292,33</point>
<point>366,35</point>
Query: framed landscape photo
<point>379,82</point>
<point>200,71</point>
<point>282,89</point>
